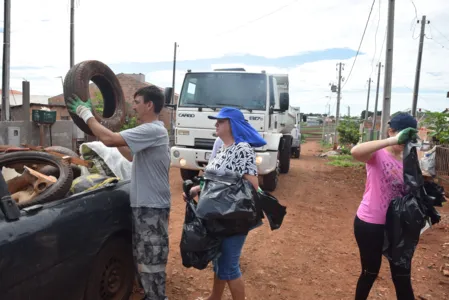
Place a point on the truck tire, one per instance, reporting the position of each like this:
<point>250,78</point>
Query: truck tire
<point>53,171</point>
<point>56,191</point>
<point>77,82</point>
<point>188,174</point>
<point>270,181</point>
<point>112,274</point>
<point>284,154</point>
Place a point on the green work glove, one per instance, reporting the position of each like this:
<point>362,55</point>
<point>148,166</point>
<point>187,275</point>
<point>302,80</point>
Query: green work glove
<point>404,136</point>
<point>80,108</point>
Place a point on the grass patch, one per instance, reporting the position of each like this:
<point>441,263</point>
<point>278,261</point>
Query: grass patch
<point>345,161</point>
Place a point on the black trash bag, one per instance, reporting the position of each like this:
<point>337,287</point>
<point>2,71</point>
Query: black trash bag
<point>198,248</point>
<point>435,191</point>
<point>271,207</point>
<point>227,204</point>
<point>406,216</point>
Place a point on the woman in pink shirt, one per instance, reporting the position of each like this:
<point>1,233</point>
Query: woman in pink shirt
<point>384,182</point>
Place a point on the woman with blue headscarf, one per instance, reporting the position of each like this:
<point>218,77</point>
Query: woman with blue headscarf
<point>236,155</point>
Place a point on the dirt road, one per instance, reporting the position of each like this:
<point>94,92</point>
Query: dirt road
<point>314,254</point>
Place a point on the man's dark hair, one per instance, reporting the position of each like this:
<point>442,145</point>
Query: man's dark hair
<point>154,94</point>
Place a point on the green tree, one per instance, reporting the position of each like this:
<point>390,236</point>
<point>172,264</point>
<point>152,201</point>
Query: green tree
<point>98,103</point>
<point>438,123</point>
<point>348,131</point>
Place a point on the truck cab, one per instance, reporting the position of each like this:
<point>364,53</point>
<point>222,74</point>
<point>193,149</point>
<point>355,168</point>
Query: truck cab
<point>264,100</point>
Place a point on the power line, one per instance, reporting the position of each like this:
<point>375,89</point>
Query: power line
<point>383,43</point>
<point>440,32</point>
<point>360,45</point>
<point>431,38</point>
<point>416,11</point>
<point>255,20</point>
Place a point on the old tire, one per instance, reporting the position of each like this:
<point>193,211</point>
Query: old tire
<point>53,171</point>
<point>188,174</point>
<point>77,82</point>
<point>284,154</point>
<point>56,191</point>
<point>112,274</point>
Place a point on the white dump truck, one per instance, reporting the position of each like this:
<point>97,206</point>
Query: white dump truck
<point>264,100</point>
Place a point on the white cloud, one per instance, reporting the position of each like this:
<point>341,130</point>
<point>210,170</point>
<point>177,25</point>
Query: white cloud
<point>144,31</point>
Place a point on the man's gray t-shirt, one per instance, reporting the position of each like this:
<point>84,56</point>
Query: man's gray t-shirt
<point>149,144</point>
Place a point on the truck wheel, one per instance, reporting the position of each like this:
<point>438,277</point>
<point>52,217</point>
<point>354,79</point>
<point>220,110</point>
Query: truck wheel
<point>56,191</point>
<point>295,152</point>
<point>77,82</point>
<point>112,275</point>
<point>188,174</point>
<point>284,155</point>
<point>270,181</point>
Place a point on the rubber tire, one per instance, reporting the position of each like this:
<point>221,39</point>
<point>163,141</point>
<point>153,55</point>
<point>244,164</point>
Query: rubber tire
<point>53,171</point>
<point>77,82</point>
<point>56,191</point>
<point>188,174</point>
<point>284,155</point>
<point>116,249</point>
<point>270,181</point>
<point>295,152</point>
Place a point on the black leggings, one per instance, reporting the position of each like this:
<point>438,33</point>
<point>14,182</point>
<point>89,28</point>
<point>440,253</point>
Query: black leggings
<point>370,239</point>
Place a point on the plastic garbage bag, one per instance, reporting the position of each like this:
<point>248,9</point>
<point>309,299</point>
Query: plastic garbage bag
<point>435,191</point>
<point>227,204</point>
<point>226,196</point>
<point>408,215</point>
<point>272,209</point>
<point>90,182</point>
<point>427,162</point>
<point>108,161</point>
<point>197,247</point>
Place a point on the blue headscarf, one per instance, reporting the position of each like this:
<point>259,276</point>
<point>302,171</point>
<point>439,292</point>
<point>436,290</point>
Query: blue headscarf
<point>242,131</point>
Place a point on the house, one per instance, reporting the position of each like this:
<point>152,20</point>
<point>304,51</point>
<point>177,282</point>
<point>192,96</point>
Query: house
<point>130,83</point>
<point>36,103</point>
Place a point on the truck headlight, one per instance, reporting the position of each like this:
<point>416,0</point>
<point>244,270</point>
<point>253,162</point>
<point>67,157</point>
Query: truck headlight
<point>258,160</point>
<point>182,162</point>
<point>183,132</point>
<point>176,154</point>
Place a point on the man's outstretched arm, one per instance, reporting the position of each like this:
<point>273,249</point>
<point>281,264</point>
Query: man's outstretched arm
<point>84,111</point>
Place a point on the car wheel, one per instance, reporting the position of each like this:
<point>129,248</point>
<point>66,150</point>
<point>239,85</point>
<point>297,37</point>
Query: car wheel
<point>112,275</point>
<point>29,158</point>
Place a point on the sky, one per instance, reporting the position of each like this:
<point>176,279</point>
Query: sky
<point>303,39</point>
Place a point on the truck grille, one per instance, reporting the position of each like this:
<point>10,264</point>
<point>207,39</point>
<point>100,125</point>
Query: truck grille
<point>204,143</point>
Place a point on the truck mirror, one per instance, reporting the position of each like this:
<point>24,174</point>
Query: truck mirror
<point>168,92</point>
<point>284,101</point>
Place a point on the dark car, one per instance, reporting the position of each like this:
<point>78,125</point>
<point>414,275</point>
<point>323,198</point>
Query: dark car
<point>78,247</point>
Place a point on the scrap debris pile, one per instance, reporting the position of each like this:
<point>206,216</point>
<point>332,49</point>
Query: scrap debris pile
<point>37,175</point>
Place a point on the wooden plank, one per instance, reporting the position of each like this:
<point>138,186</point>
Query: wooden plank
<point>73,160</point>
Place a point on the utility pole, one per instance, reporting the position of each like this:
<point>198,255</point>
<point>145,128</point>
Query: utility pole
<point>375,104</point>
<point>172,100</point>
<point>418,66</point>
<point>72,33</point>
<point>388,70</point>
<point>349,111</point>
<point>6,60</point>
<point>367,99</point>
<point>337,116</point>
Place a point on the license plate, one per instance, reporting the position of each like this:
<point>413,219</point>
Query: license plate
<point>207,155</point>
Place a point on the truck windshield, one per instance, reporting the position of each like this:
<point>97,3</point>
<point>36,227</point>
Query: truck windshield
<point>246,91</point>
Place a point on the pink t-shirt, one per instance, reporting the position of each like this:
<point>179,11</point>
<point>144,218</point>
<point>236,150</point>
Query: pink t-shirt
<point>384,182</point>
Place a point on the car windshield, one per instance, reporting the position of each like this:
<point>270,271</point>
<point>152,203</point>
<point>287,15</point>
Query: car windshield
<point>245,91</point>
